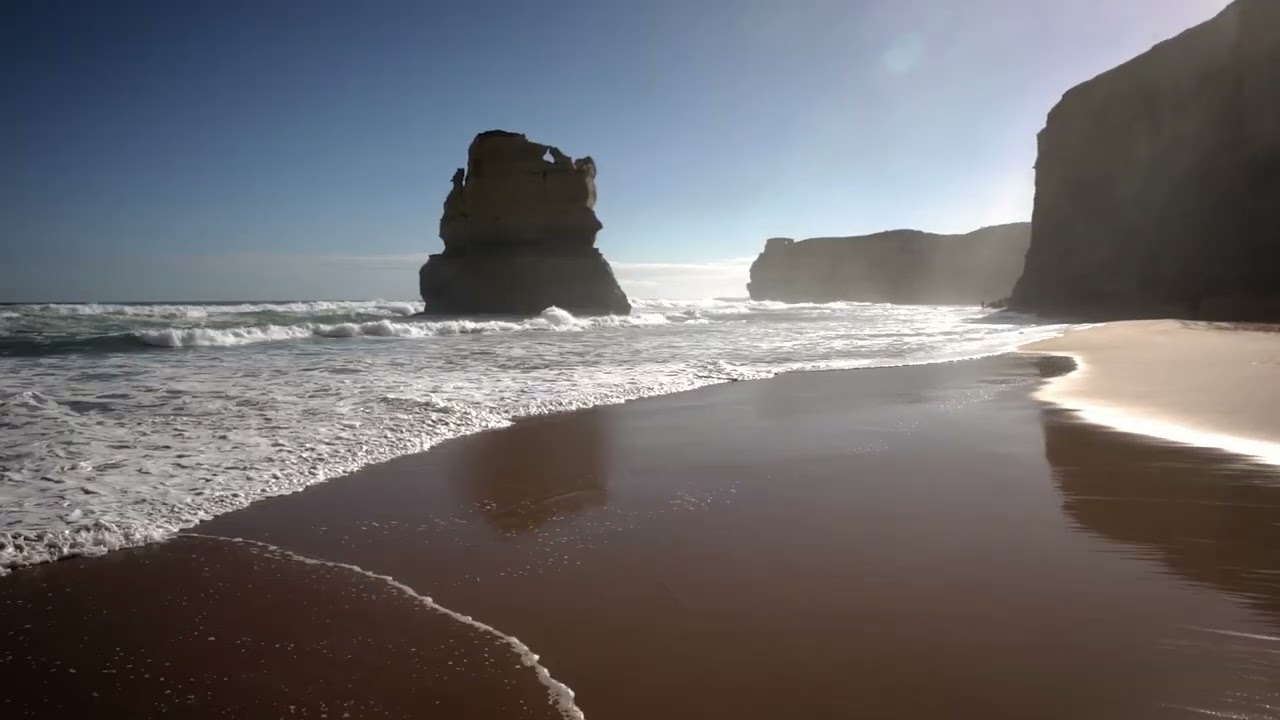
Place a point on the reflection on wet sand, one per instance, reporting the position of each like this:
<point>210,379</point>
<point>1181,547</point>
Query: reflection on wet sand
<point>1209,518</point>
<point>550,469</point>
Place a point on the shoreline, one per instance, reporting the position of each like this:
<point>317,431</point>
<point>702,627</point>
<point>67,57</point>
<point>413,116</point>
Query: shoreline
<point>1195,384</point>
<point>1058,390</point>
<point>96,541</point>
<point>819,543</point>
<point>559,694</point>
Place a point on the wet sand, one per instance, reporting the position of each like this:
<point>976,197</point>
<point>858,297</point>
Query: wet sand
<point>204,628</point>
<point>1215,384</point>
<point>918,542</point>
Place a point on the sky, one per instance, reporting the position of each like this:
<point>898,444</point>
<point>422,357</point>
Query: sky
<point>286,149</point>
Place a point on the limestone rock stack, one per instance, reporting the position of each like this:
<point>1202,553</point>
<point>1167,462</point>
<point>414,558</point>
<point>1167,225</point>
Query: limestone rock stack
<point>519,230</point>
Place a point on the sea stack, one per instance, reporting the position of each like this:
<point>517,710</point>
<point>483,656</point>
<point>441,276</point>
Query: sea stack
<point>1158,182</point>
<point>908,267</point>
<point>519,230</point>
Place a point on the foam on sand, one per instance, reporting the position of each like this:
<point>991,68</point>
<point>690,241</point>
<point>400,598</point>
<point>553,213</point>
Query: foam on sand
<point>558,693</point>
<point>1205,384</point>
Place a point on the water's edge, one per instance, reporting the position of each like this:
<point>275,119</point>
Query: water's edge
<point>208,408</point>
<point>1129,420</point>
<point>17,552</point>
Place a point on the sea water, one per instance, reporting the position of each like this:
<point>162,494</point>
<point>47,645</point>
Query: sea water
<point>123,423</point>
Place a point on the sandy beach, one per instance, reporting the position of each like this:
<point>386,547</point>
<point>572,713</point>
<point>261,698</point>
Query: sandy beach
<point>914,542</point>
<point>1209,384</point>
<point>208,628</point>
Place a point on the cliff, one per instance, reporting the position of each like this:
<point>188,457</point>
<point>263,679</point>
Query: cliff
<point>519,230</point>
<point>1158,182</point>
<point>899,266</point>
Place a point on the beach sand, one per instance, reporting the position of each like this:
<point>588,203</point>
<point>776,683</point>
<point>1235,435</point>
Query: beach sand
<point>208,628</point>
<point>916,542</point>
<point>1215,384</point>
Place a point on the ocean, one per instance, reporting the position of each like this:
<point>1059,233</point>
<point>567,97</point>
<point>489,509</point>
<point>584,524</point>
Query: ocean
<point>121,424</point>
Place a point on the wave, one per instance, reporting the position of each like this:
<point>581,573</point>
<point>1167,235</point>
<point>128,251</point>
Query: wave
<point>550,319</point>
<point>91,540</point>
<point>57,327</point>
<point>99,328</point>
<point>219,337</point>
<point>179,336</point>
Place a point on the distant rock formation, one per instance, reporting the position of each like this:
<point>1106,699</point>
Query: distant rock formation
<point>519,231</point>
<point>1158,182</point>
<point>899,266</point>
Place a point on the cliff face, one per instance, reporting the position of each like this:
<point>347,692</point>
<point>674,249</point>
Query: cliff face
<point>519,229</point>
<point>899,266</point>
<point>1158,182</point>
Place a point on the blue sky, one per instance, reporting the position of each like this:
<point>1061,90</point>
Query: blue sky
<point>196,149</point>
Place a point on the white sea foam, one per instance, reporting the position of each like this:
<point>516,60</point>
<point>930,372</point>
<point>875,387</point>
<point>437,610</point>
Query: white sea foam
<point>224,337</point>
<point>559,694</point>
<point>550,319</point>
<point>117,446</point>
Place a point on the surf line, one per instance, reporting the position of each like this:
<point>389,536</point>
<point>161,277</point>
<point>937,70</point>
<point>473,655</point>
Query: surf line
<point>560,695</point>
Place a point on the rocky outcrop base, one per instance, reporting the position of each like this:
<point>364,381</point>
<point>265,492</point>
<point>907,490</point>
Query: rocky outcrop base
<point>520,281</point>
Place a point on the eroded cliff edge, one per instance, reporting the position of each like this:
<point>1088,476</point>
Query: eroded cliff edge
<point>898,266</point>
<point>519,230</point>
<point>1158,182</point>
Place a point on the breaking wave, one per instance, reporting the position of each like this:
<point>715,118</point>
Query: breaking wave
<point>550,319</point>
<point>231,335</point>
